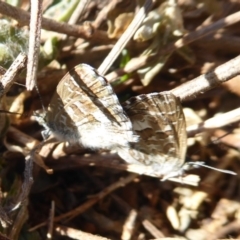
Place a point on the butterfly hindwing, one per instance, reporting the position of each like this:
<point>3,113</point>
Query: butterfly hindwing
<point>159,121</point>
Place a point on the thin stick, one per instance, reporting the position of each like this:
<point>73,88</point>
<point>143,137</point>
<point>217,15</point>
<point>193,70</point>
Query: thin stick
<point>51,223</point>
<point>203,83</point>
<point>8,78</point>
<point>27,183</point>
<point>123,40</point>
<point>85,31</point>
<point>34,43</point>
<point>129,225</point>
<point>20,218</point>
<point>102,15</point>
<point>139,62</point>
<point>77,234</point>
<point>75,212</point>
<point>4,219</point>
<point>215,122</point>
<point>111,161</point>
<point>78,12</point>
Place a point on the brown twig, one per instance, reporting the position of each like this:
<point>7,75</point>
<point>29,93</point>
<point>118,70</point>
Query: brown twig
<point>136,63</point>
<point>227,230</point>
<point>75,212</point>
<point>123,40</point>
<point>133,215</point>
<point>85,31</point>
<point>129,225</point>
<point>81,7</point>
<point>19,221</point>
<point>34,43</point>
<point>215,122</point>
<point>152,229</point>
<point>102,15</point>
<point>203,83</point>
<point>30,144</point>
<point>4,219</point>
<point>111,161</point>
<point>77,234</point>
<point>51,221</point>
<point>8,78</point>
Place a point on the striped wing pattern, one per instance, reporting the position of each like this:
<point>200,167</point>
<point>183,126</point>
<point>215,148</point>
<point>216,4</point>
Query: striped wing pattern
<point>159,121</point>
<point>152,132</point>
<point>85,110</point>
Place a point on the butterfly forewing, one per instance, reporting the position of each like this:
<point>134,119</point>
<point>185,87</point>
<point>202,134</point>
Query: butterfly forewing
<point>159,121</point>
<point>85,109</point>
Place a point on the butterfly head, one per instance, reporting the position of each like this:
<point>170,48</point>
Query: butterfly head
<point>41,118</point>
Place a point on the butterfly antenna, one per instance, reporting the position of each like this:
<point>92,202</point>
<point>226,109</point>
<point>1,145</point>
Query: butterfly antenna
<point>40,97</point>
<point>19,84</point>
<point>6,111</point>
<point>201,164</point>
<point>216,140</point>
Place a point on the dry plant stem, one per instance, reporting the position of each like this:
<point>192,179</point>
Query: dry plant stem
<point>111,161</point>
<point>203,83</point>
<point>85,31</point>
<point>128,228</point>
<point>215,122</point>
<point>82,5</point>
<point>77,234</point>
<point>203,31</point>
<point>22,139</point>
<point>228,229</point>
<point>30,144</point>
<point>29,158</point>
<point>152,229</point>
<point>129,225</point>
<point>28,178</point>
<point>102,15</point>
<point>90,52</point>
<point>123,40</point>
<point>199,196</point>
<point>4,219</point>
<point>75,212</point>
<point>34,43</point>
<point>8,78</point>
<point>172,215</point>
<point>77,14</point>
<point>136,63</point>
<point>27,183</point>
<point>51,218</point>
<point>19,222</point>
<point>132,214</point>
